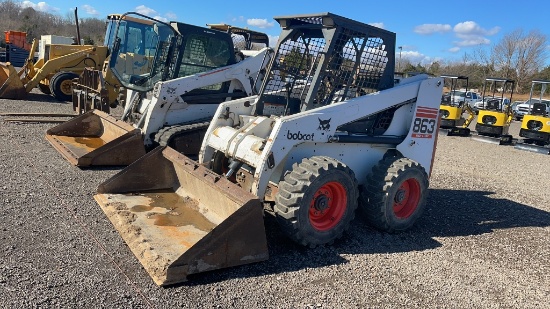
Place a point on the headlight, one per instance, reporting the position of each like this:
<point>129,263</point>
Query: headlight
<point>444,113</point>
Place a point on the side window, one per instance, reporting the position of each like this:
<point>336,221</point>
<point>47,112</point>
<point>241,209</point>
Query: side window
<point>203,53</point>
<point>468,95</point>
<point>151,42</point>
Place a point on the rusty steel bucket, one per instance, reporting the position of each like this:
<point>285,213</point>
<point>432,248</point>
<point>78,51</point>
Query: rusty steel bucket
<point>11,86</point>
<point>96,138</point>
<point>179,218</point>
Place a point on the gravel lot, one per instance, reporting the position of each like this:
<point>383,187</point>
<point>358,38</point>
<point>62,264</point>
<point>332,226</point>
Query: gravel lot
<point>483,241</point>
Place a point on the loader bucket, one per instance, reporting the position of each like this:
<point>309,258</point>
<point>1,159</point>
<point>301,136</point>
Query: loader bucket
<point>95,138</point>
<point>11,86</point>
<point>179,218</point>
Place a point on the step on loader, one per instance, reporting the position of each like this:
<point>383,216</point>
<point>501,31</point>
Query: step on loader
<point>187,71</point>
<point>495,116</point>
<point>535,126</point>
<point>329,132</point>
<point>454,105</point>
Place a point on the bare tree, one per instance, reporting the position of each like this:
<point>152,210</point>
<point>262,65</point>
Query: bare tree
<point>520,56</point>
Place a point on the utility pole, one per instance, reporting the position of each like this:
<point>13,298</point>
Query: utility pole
<point>399,63</point>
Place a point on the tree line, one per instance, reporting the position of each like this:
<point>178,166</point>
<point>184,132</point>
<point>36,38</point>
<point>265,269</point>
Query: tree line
<point>518,56</point>
<point>13,16</point>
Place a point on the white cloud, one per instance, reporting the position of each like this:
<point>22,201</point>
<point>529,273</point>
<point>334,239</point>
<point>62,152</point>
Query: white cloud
<point>454,49</point>
<point>413,56</point>
<point>273,39</point>
<point>472,34</point>
<point>40,6</point>
<point>260,23</point>
<point>142,9</point>
<point>469,28</point>
<point>90,10</point>
<point>171,16</point>
<point>432,28</point>
<point>378,25</point>
<point>473,41</point>
<point>164,19</point>
<point>240,18</point>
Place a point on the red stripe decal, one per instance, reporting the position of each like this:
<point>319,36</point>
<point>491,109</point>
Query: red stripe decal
<point>433,111</point>
<point>426,115</point>
<point>426,108</point>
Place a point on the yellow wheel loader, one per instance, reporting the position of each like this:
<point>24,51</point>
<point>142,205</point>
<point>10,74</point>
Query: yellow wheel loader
<point>329,132</point>
<point>173,89</point>
<point>495,112</point>
<point>453,106</point>
<point>535,126</point>
<point>52,74</point>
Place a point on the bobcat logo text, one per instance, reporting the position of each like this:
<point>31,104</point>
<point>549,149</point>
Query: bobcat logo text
<point>299,136</point>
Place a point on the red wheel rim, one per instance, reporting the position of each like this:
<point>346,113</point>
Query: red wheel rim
<point>328,206</point>
<point>406,199</point>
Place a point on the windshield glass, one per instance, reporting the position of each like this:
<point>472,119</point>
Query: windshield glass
<point>139,51</point>
<point>109,33</point>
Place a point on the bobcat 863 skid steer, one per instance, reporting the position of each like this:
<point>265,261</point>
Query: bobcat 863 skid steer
<point>189,71</point>
<point>329,132</point>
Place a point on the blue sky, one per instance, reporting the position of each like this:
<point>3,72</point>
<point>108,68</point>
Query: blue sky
<point>427,30</point>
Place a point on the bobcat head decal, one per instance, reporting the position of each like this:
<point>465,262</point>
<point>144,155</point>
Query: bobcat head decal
<point>324,124</point>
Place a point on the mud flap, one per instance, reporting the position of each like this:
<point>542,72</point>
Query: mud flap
<point>11,86</point>
<point>179,218</point>
<point>97,139</point>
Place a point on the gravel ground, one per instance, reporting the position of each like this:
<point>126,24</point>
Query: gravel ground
<point>483,241</point>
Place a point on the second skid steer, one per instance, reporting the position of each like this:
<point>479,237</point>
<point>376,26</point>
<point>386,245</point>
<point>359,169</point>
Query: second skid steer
<point>190,71</point>
<point>328,133</point>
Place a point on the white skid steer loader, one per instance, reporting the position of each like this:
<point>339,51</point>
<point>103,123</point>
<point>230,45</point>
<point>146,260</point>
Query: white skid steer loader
<point>329,132</point>
<point>174,85</point>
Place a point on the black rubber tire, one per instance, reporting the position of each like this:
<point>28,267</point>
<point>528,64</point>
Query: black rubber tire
<point>45,89</point>
<point>184,138</point>
<point>391,178</point>
<point>302,187</point>
<point>61,85</point>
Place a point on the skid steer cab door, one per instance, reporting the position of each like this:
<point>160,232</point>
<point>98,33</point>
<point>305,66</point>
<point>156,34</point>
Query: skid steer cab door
<point>141,51</point>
